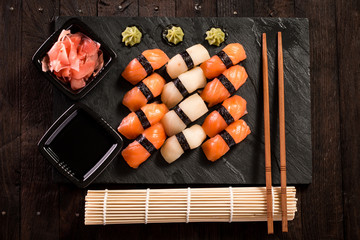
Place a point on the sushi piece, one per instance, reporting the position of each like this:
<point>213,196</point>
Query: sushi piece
<point>231,55</point>
<point>217,146</point>
<point>224,86</point>
<point>182,86</point>
<point>147,143</point>
<point>187,60</point>
<point>144,64</point>
<point>136,122</point>
<point>176,145</point>
<point>229,111</point>
<point>143,92</point>
<point>183,114</point>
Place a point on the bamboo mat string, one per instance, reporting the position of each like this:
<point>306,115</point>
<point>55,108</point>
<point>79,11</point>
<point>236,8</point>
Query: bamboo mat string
<point>272,200</point>
<point>188,204</point>
<point>231,204</point>
<point>104,206</point>
<point>147,205</point>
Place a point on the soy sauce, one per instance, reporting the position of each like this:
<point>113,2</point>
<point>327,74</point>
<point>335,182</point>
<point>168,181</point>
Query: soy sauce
<point>80,144</point>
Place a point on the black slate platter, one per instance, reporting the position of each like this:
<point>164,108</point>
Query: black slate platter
<point>244,163</point>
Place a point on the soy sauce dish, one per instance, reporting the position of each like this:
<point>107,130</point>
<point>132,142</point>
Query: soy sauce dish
<point>80,144</point>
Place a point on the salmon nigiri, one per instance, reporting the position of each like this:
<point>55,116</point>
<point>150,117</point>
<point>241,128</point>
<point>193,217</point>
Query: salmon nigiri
<point>136,122</point>
<point>143,92</point>
<point>229,111</point>
<point>224,86</point>
<point>217,146</point>
<point>231,55</point>
<point>144,64</point>
<point>141,149</point>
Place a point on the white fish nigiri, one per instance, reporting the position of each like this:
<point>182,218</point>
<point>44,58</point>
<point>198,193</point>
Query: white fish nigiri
<point>174,91</point>
<point>186,60</point>
<point>176,145</point>
<point>189,110</point>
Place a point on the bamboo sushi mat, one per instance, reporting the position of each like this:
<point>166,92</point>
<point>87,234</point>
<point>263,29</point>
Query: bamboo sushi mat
<point>231,204</point>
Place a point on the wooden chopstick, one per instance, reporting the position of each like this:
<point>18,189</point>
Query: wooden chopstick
<point>282,134</point>
<point>269,195</point>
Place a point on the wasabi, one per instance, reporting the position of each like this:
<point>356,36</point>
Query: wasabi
<point>173,35</point>
<point>215,36</point>
<point>131,36</point>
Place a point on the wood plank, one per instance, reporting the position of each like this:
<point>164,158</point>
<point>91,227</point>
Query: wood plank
<point>10,30</point>
<point>347,28</point>
<point>9,210</point>
<point>282,8</point>
<point>261,8</point>
<point>78,8</point>
<point>196,8</point>
<point>39,196</point>
<point>71,199</point>
<point>157,8</point>
<point>295,230</point>
<point>72,213</point>
<point>322,210</point>
<point>228,8</point>
<point>124,8</point>
<point>274,8</point>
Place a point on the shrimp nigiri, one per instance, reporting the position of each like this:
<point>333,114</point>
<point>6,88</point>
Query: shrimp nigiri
<point>144,64</point>
<point>217,146</point>
<point>231,55</point>
<point>136,122</point>
<point>229,111</point>
<point>224,86</point>
<point>141,149</point>
<point>143,92</point>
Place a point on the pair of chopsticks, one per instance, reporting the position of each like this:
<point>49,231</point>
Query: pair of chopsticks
<point>269,190</point>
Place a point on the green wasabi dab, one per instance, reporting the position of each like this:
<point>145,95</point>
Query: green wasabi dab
<point>215,36</point>
<point>175,35</point>
<point>131,36</point>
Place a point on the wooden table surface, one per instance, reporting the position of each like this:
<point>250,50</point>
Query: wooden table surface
<point>33,207</point>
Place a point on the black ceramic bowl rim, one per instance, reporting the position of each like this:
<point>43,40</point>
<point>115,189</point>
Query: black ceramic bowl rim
<point>55,126</point>
<point>93,81</point>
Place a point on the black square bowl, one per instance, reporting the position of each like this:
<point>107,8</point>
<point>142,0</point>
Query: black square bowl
<point>80,144</point>
<point>75,25</point>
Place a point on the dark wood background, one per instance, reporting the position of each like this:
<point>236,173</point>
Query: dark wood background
<point>32,207</point>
